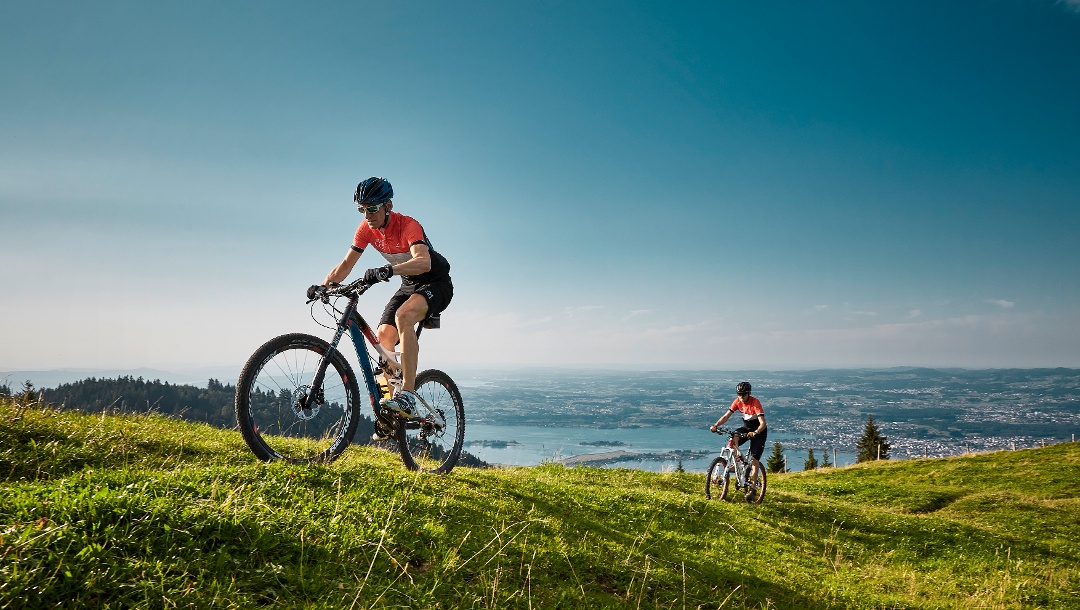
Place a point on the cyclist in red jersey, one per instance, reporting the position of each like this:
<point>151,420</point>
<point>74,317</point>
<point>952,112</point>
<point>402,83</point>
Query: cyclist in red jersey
<point>425,290</point>
<point>754,426</point>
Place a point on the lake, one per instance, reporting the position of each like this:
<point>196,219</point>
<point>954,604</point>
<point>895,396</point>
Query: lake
<point>656,449</point>
<point>655,418</point>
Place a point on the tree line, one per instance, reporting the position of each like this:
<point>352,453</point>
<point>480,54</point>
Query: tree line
<point>125,394</point>
<point>212,405</point>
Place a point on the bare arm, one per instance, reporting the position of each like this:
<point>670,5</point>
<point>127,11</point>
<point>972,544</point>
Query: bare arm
<point>761,428</point>
<point>343,269</point>
<point>723,418</point>
<point>419,263</point>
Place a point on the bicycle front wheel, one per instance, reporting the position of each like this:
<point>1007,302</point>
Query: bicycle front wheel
<point>755,490</point>
<point>432,442</point>
<point>278,412</point>
<point>716,479</point>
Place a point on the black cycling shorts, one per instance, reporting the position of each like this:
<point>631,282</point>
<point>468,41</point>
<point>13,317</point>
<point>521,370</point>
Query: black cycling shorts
<point>438,295</point>
<point>757,444</point>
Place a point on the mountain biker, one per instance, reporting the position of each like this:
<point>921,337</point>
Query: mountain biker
<point>425,289</point>
<point>754,426</point>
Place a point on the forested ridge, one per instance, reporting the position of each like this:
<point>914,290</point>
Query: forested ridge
<point>212,405</point>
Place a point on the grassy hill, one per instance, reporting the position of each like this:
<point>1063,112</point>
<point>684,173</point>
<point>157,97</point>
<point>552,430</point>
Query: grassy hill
<point>148,512</point>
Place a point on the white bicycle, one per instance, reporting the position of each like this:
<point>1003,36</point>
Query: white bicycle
<point>746,470</point>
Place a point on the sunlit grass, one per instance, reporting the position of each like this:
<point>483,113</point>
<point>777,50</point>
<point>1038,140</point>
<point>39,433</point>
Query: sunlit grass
<point>144,511</point>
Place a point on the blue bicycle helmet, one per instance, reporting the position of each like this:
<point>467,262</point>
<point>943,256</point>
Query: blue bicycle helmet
<point>373,190</point>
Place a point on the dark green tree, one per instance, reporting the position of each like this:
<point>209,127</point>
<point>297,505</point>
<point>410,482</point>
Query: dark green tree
<point>873,445</point>
<point>28,394</point>
<point>811,461</point>
<point>775,463</point>
<point>825,463</point>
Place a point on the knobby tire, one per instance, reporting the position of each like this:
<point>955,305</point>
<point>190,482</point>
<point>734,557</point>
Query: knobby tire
<point>273,424</point>
<point>713,478</point>
<point>427,447</point>
<point>758,483</point>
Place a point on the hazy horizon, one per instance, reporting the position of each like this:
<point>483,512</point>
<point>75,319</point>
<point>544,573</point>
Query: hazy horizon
<point>464,376</point>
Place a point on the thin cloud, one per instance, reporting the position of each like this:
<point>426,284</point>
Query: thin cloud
<point>1002,303</point>
<point>635,313</point>
<point>1072,5</point>
<point>858,313</point>
<point>914,313</point>
<point>573,311</point>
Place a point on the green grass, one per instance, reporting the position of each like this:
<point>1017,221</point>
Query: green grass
<point>148,512</point>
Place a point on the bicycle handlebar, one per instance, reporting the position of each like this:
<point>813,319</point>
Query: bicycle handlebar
<point>354,288</point>
<point>725,431</point>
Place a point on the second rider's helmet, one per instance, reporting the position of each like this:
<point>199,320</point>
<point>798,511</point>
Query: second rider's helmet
<point>743,387</point>
<point>373,190</point>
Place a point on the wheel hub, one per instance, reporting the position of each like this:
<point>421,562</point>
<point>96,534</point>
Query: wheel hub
<point>307,405</point>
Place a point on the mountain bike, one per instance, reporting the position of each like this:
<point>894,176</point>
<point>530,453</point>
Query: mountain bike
<point>747,471</point>
<point>298,400</point>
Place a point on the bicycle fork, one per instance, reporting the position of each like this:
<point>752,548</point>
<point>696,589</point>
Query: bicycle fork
<point>314,395</point>
<point>742,473</point>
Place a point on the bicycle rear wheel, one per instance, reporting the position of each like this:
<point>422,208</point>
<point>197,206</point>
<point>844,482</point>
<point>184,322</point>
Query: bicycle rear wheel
<point>270,408</point>
<point>716,478</point>
<point>755,491</point>
<point>432,442</point>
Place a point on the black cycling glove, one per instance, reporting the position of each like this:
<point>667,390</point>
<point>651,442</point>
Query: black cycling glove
<point>378,274</point>
<point>316,291</point>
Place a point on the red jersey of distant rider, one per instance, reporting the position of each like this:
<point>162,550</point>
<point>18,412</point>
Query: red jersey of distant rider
<point>750,409</point>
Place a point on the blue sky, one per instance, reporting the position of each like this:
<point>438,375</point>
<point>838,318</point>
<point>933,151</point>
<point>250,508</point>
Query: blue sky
<point>715,185</point>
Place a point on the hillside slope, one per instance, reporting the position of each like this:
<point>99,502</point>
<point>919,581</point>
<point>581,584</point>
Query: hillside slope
<point>143,511</point>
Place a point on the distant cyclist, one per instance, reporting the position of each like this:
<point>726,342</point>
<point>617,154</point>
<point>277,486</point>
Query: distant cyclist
<point>754,426</point>
<point>425,290</point>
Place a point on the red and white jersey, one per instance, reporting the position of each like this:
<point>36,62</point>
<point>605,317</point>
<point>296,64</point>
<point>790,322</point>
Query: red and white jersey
<point>750,410</point>
<point>394,242</point>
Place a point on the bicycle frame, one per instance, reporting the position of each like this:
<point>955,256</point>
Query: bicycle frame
<point>734,459</point>
<point>359,330</point>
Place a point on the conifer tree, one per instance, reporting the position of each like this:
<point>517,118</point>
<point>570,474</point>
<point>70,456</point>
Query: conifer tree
<point>825,463</point>
<point>775,463</point>
<point>811,461</point>
<point>873,445</point>
<point>28,394</point>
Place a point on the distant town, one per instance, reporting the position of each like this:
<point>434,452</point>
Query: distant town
<point>923,412</point>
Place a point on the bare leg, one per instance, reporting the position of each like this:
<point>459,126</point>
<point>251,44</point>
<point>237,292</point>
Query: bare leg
<point>388,338</point>
<point>411,313</point>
